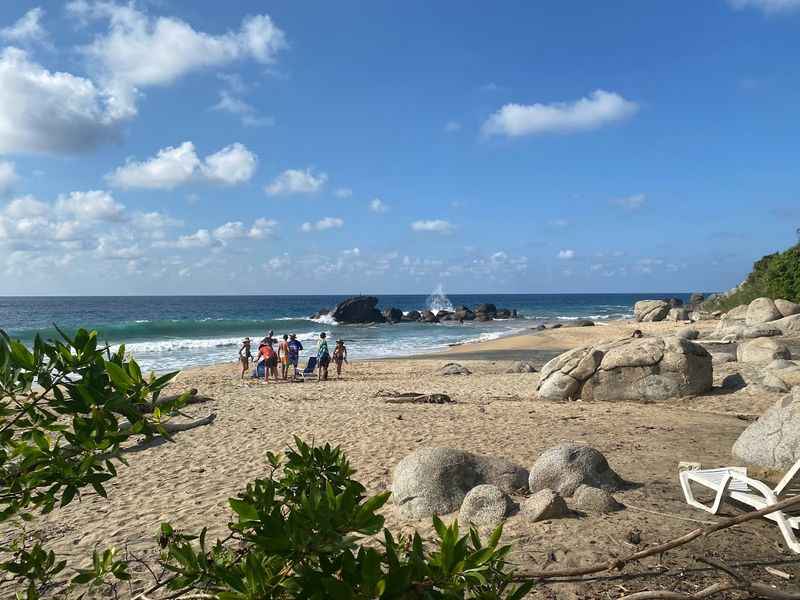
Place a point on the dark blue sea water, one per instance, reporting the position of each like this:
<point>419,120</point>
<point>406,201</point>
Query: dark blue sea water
<point>168,332</point>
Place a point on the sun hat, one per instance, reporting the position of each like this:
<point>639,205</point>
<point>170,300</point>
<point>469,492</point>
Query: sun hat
<point>246,340</point>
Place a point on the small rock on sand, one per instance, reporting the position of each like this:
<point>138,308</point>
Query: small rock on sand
<point>484,506</point>
<point>453,369</point>
<point>521,367</point>
<point>544,504</point>
<point>564,468</point>
<point>593,500</point>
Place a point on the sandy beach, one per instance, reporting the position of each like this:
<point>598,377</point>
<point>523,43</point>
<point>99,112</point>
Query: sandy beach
<point>495,413</point>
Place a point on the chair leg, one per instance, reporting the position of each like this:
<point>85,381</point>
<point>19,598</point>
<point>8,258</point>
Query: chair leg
<point>721,492</point>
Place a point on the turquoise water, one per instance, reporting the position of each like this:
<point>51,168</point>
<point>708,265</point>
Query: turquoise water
<point>169,332</point>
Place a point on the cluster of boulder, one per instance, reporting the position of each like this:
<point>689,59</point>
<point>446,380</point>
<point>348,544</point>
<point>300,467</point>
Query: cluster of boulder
<point>647,369</point>
<point>763,317</point>
<point>363,309</point>
<point>437,481</point>
<point>672,309</point>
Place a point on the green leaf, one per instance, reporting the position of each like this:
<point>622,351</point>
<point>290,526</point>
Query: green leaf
<point>118,375</point>
<point>245,510</point>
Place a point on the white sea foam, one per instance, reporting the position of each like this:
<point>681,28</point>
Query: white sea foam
<point>325,320</point>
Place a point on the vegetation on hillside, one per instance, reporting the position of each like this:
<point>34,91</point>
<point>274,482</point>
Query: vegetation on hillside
<point>773,276</point>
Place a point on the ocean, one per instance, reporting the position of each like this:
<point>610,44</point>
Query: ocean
<point>175,332</point>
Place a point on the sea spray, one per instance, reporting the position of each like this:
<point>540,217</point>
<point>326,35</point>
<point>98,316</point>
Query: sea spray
<point>438,301</point>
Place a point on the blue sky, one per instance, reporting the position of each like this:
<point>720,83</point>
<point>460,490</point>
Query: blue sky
<point>172,146</point>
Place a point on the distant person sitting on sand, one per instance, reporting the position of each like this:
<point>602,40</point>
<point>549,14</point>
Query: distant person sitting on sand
<point>323,357</point>
<point>270,360</point>
<point>339,357</point>
<point>295,347</point>
<point>283,355</point>
<point>245,355</point>
<point>637,334</point>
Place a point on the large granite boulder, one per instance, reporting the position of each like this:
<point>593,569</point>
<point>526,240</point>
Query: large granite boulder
<point>412,315</point>
<point>486,309</point>
<point>358,309</point>
<point>434,481</point>
<point>773,441</point>
<point>651,310</point>
<point>393,315</point>
<point>484,506</point>
<point>762,310</point>
<point>566,467</point>
<point>696,299</point>
<point>674,302</point>
<point>786,308</point>
<point>788,325</point>
<point>647,369</point>
<point>762,351</point>
<point>678,314</point>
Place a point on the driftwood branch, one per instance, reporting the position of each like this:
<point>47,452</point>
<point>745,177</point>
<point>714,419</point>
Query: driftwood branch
<point>618,563</point>
<point>421,399</point>
<point>193,398</point>
<point>177,427</point>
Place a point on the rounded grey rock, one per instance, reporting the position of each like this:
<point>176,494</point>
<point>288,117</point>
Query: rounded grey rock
<point>594,500</point>
<point>434,481</point>
<point>484,506</point>
<point>566,467</point>
<point>544,504</point>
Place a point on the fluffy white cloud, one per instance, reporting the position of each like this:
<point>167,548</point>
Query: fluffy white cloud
<point>343,193</point>
<point>634,202</point>
<point>43,111</point>
<point>152,221</point>
<point>435,225</point>
<point>8,176</point>
<point>95,205</point>
<point>25,207</point>
<point>174,166</point>
<point>231,165</point>
<point>378,206</point>
<point>139,51</point>
<point>767,6</point>
<point>322,224</point>
<point>27,29</point>
<point>199,239</point>
<point>566,254</point>
<point>600,108</point>
<point>294,181</point>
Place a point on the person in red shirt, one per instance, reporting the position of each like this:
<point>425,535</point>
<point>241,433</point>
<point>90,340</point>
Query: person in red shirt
<point>270,361</point>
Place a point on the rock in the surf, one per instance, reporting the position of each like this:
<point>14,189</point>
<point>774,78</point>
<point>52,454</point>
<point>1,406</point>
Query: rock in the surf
<point>358,309</point>
<point>393,315</point>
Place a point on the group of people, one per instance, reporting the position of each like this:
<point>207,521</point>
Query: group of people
<point>287,355</point>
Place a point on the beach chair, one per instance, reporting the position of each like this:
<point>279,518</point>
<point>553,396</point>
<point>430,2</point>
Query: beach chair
<point>308,372</point>
<point>734,484</point>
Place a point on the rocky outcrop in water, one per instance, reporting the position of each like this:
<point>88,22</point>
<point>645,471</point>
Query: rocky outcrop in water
<point>358,309</point>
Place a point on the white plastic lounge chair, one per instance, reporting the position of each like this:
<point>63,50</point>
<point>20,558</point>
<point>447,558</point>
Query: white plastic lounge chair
<point>733,483</point>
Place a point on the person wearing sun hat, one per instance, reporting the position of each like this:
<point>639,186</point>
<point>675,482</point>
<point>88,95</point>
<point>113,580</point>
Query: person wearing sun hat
<point>339,357</point>
<point>245,355</point>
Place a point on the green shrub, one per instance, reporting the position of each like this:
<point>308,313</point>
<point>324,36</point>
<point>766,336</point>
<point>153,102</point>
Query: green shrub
<point>307,530</point>
<point>773,276</point>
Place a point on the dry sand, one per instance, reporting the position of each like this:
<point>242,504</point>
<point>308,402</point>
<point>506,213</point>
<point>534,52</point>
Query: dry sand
<point>188,482</point>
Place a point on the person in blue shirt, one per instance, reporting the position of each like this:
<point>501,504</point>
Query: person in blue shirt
<point>295,347</point>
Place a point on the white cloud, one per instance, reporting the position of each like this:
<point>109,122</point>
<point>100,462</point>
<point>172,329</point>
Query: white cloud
<point>343,193</point>
<point>378,206</point>
<point>322,224</point>
<point>295,181</point>
<point>236,230</point>
<point>154,221</point>
<point>599,109</point>
<point>229,102</point>
<point>435,225</point>
<point>767,6</point>
<point>199,239</point>
<point>25,207</point>
<point>27,29</point>
<point>452,126</point>
<point>634,202</point>
<point>174,166</point>
<point>94,205</point>
<point>566,254</point>
<point>139,51</point>
<point>8,176</point>
<point>233,164</point>
<point>44,111</point>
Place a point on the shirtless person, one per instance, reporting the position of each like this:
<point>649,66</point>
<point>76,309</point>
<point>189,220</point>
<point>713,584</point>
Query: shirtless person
<point>339,357</point>
<point>245,355</point>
